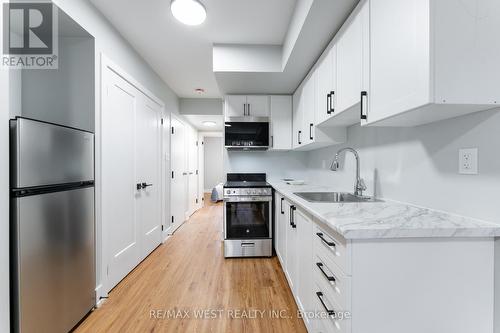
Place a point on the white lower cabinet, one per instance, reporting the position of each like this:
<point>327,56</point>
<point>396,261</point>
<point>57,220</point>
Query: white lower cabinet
<point>409,285</point>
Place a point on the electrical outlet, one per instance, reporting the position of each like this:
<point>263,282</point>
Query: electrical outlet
<point>467,161</point>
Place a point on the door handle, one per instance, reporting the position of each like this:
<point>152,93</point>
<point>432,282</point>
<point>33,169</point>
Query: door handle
<point>332,108</point>
<point>244,109</point>
<point>328,103</point>
<point>282,199</point>
<point>364,95</point>
<point>311,131</point>
<point>144,185</point>
<point>298,136</point>
<point>248,108</point>
<point>247,244</point>
<point>292,216</point>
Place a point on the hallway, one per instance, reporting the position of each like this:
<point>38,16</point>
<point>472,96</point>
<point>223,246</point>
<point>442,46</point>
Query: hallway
<point>188,274</point>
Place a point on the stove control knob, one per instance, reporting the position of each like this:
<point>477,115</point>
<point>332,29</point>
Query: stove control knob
<point>228,191</point>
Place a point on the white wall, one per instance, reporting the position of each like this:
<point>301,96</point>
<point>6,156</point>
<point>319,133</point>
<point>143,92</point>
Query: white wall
<point>419,165</point>
<point>200,106</point>
<point>276,165</point>
<point>115,47</point>
<point>213,165</point>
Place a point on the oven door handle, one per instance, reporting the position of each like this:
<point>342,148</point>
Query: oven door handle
<point>248,199</point>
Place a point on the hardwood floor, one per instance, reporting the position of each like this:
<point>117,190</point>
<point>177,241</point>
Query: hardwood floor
<point>188,274</point>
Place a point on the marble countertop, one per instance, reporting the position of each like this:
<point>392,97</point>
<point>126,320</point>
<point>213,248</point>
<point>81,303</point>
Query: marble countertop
<point>387,219</point>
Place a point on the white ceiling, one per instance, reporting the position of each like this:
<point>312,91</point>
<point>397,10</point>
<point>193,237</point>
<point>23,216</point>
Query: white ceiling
<point>182,55</point>
<point>197,121</point>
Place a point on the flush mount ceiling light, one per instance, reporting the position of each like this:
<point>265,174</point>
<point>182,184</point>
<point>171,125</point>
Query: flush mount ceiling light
<point>189,12</point>
<point>209,123</point>
<point>199,91</point>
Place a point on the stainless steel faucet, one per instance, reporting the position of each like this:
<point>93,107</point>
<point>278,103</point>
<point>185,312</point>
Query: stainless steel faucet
<point>360,186</point>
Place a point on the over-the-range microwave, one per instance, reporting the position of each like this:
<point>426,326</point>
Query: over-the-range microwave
<point>247,133</point>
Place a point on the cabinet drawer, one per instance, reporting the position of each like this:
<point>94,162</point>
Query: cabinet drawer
<point>325,323</point>
<point>333,281</point>
<point>333,248</point>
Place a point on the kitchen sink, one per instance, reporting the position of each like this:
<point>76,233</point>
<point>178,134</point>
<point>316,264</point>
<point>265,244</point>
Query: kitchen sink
<point>333,197</point>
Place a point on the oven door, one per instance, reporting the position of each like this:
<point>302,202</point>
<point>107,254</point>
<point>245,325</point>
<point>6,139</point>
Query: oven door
<point>248,217</point>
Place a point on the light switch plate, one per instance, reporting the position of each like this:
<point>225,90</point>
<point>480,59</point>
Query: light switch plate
<point>467,161</point>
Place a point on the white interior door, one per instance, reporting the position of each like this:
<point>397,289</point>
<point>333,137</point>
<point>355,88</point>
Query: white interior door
<point>130,145</point>
<point>148,154</point>
<point>119,176</point>
<point>177,162</point>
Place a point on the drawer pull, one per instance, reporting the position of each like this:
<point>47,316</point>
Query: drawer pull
<point>320,235</point>
<point>320,296</point>
<point>329,278</point>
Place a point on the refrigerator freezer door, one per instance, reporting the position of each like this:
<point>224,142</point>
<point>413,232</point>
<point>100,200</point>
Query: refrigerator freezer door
<point>45,154</point>
<point>54,239</point>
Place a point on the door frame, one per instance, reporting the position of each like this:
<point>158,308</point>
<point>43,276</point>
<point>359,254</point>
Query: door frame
<point>201,164</point>
<point>101,232</point>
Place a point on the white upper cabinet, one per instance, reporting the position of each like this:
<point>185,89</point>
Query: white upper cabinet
<point>235,106</point>
<point>246,106</point>
<point>297,135</point>
<point>349,66</point>
<point>432,60</point>
<point>308,109</point>
<point>258,106</point>
<point>281,122</point>
<point>326,86</point>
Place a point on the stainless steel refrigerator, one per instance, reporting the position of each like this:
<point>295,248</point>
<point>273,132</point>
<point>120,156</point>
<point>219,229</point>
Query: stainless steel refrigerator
<point>52,226</point>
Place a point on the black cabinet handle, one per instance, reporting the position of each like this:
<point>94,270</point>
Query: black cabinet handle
<point>300,132</point>
<point>292,216</point>
<point>144,185</point>
<point>320,296</point>
<point>272,141</point>
<point>364,95</point>
<point>320,235</point>
<point>329,278</point>
<point>328,103</point>
<point>332,108</point>
<point>281,209</point>
<point>248,109</point>
<point>244,109</point>
<point>311,131</point>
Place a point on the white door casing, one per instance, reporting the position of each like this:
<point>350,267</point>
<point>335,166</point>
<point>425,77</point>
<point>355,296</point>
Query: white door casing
<point>177,161</point>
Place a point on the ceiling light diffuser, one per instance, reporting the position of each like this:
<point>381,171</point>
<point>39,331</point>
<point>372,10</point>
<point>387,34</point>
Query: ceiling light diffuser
<point>189,12</point>
<point>209,123</point>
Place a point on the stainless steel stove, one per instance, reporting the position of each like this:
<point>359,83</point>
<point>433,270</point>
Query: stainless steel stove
<point>248,204</point>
